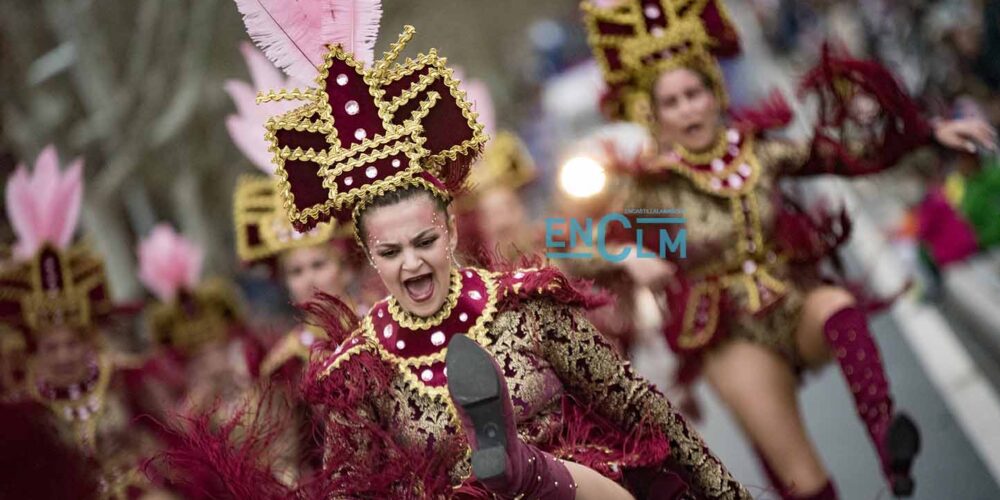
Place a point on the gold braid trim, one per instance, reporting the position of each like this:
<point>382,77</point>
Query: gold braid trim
<point>257,204</point>
<point>702,180</point>
<point>407,320</point>
<point>436,68</point>
<point>476,332</point>
<point>689,337</point>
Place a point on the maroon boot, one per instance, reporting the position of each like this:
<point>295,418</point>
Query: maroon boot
<point>895,436</point>
<point>502,462</point>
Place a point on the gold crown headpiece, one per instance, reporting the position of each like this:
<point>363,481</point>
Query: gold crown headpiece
<point>55,288</point>
<point>635,41</point>
<point>195,317</point>
<point>366,131</point>
<point>263,230</point>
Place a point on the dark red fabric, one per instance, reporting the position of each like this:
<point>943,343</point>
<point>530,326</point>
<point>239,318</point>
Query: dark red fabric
<point>838,82</point>
<point>342,98</point>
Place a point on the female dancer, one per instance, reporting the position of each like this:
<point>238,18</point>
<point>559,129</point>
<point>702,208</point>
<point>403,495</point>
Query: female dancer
<point>745,312</point>
<point>322,260</point>
<point>56,297</point>
<point>197,323</point>
<point>390,144</point>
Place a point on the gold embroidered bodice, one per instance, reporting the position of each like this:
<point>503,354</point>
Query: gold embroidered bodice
<point>95,418</point>
<point>547,350</point>
<point>728,200</point>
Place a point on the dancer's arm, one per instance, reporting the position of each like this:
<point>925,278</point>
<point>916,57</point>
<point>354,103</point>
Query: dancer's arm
<point>593,372</point>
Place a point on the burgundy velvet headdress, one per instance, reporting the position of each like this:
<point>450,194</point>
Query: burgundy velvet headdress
<point>363,132</point>
<point>634,41</point>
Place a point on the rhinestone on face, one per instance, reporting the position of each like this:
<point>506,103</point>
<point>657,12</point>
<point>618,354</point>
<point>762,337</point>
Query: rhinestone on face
<point>437,338</point>
<point>381,313</point>
<point>718,165</point>
<point>360,134</point>
<point>733,136</point>
<point>518,275</point>
<point>475,295</point>
<point>400,345</point>
<point>387,331</point>
<point>396,163</point>
<point>749,266</point>
<point>426,375</point>
<point>652,12</point>
<point>348,181</point>
<point>463,317</point>
<point>371,172</point>
<point>657,31</point>
<point>468,274</point>
<point>744,170</point>
<point>341,79</point>
<point>352,107</point>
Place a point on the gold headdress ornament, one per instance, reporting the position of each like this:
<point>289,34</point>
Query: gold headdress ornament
<point>635,41</point>
<point>190,312</point>
<point>262,227</point>
<point>363,132</point>
<point>50,282</point>
<point>195,318</point>
<point>55,288</point>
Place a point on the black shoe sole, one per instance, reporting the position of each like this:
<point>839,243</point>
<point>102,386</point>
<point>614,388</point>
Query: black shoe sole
<point>474,385</point>
<point>903,445</point>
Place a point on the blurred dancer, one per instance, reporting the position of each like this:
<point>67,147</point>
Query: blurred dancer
<point>747,310</point>
<point>398,425</point>
<point>197,323</point>
<point>323,260</point>
<point>57,299</point>
<point>491,213</point>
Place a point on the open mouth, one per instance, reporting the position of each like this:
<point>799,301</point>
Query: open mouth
<point>692,129</point>
<point>419,288</point>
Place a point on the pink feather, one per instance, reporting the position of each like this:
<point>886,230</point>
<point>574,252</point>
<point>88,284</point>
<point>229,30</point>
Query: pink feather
<point>44,206</point>
<point>290,32</point>
<point>168,262</point>
<point>355,27</point>
<point>478,94</point>
<point>246,127</point>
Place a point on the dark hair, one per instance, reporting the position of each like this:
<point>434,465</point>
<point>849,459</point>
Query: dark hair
<point>392,198</point>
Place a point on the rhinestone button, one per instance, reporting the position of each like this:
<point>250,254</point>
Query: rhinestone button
<point>352,107</point>
<point>437,338</point>
<point>341,79</point>
<point>371,172</point>
<point>360,134</point>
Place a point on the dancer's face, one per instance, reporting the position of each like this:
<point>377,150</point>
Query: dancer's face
<point>410,243</point>
<point>312,269</point>
<point>62,355</point>
<point>686,109</point>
